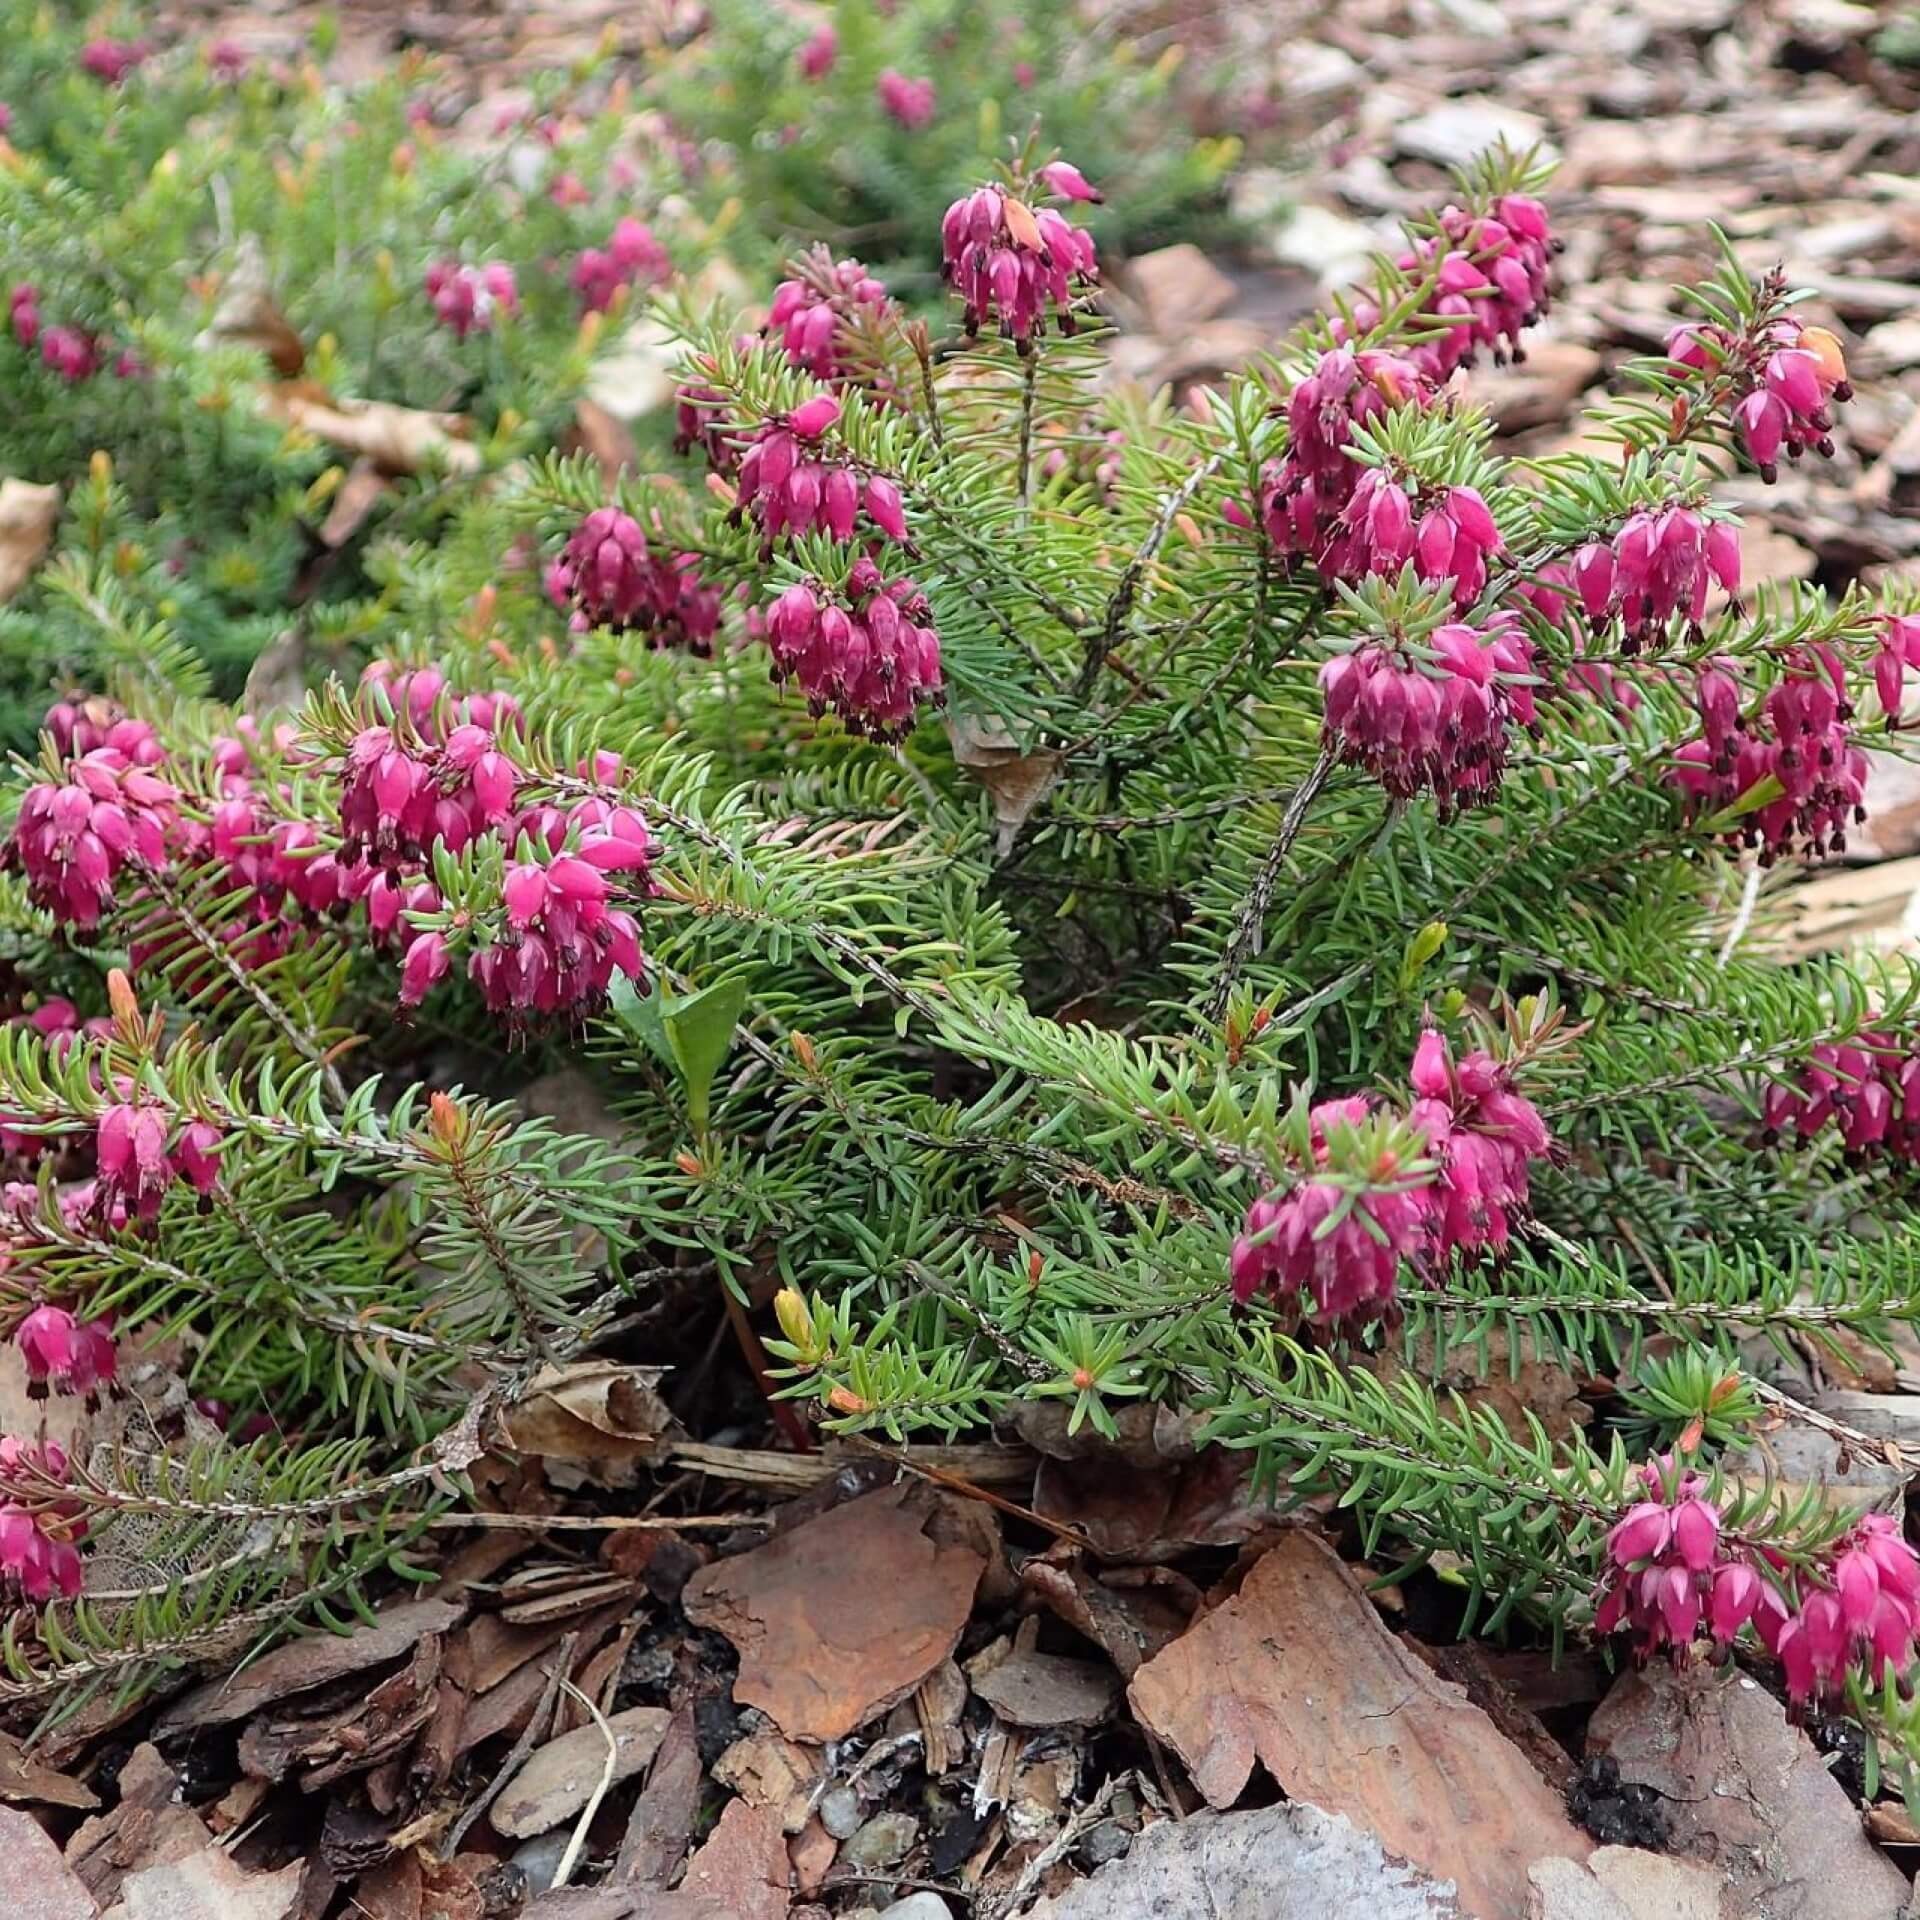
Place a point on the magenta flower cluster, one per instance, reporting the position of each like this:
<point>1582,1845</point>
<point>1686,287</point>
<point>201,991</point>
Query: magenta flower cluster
<point>610,575</point>
<point>467,299</point>
<point>1897,653</point>
<point>447,778</point>
<point>436,774</point>
<point>1672,1572</point>
<point>436,770</point>
<point>1867,1088</point>
<point>1783,378</point>
<point>632,257</point>
<point>1431,716</point>
<point>910,102</point>
<point>814,308</point>
<point>1341,1250</point>
<point>1487,277</point>
<point>66,1355</point>
<point>869,654</point>
<point>1485,1135</point>
<point>1446,532</point>
<point>788,489</point>
<point>77,836</point>
<point>1662,562</point>
<point>1800,738</point>
<point>1015,263</point>
<point>1340,1235</point>
<point>816,57</point>
<point>1306,493</point>
<point>38,1555</point>
<point>111,60</point>
<point>140,1151</point>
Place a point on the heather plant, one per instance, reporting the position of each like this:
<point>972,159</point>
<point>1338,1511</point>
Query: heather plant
<point>854,123</point>
<point>188,226</point>
<point>1072,899</point>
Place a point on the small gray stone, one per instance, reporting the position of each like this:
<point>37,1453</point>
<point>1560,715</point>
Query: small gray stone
<point>1453,132</point>
<point>1108,1841</point>
<point>919,1906</point>
<point>882,1842</point>
<point>841,1812</point>
<point>539,1857</point>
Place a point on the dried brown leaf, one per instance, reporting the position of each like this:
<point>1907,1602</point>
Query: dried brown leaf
<point>1017,779</point>
<point>247,314</point>
<point>599,1420</point>
<point>817,1666</point>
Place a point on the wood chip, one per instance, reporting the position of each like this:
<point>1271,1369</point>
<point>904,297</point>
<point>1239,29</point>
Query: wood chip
<point>27,517</point>
<point>558,1778</point>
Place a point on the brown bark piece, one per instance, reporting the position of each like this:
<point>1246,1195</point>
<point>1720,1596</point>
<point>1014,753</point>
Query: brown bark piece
<point>1297,1671</point>
<point>743,1865</point>
<point>662,1819</point>
<point>311,1662</point>
<point>843,1617</point>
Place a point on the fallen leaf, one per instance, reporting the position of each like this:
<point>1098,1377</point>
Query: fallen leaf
<point>1483,1374</point>
<point>24,1778</point>
<point>1032,1689</point>
<point>818,1666</point>
<point>1130,1623</point>
<point>35,1883</point>
<point>208,1886</point>
<point>1747,1793</point>
<point>248,315</point>
<point>559,1778</point>
<point>310,1662</point>
<point>603,1420</point>
<point>396,439</point>
<point>1127,1513</point>
<point>1296,1670</point>
<point>743,1864</point>
<point>1291,1862</point>
<point>27,517</point>
<point>1017,778</point>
